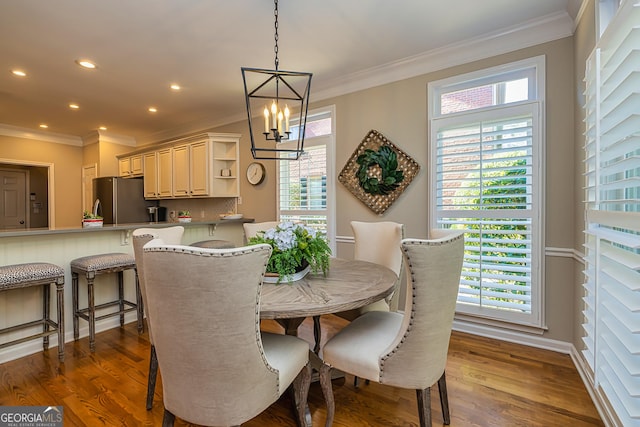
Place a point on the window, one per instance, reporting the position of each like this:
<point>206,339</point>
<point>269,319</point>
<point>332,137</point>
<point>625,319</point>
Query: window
<point>486,145</point>
<point>306,186</point>
<point>611,309</point>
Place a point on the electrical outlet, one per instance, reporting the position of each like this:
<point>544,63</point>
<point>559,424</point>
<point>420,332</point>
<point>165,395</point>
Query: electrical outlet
<point>202,213</point>
<point>172,214</point>
<point>239,200</point>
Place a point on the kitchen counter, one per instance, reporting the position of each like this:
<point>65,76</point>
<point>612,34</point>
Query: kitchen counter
<point>61,245</point>
<point>115,227</point>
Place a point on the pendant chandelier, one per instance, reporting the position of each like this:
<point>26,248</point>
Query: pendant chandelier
<point>275,96</point>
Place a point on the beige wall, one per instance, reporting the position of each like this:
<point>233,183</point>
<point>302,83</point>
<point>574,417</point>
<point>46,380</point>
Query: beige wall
<point>66,161</point>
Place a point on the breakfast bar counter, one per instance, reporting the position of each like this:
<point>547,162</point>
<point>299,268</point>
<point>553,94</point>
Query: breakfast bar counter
<point>60,246</point>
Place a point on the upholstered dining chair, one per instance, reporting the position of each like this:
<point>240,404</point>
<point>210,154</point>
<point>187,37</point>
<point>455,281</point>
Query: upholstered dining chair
<point>377,242</point>
<point>406,350</point>
<point>217,367</point>
<point>140,237</point>
<point>251,229</point>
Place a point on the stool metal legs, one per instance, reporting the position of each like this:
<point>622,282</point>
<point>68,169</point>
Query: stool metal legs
<point>89,313</point>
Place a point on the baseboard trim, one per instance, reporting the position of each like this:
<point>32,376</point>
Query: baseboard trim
<point>513,336</point>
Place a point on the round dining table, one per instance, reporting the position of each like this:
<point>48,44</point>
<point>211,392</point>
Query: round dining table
<point>348,284</point>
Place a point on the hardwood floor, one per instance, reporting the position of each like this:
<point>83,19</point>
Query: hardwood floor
<point>490,383</point>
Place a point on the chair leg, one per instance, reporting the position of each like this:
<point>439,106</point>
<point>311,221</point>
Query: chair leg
<point>168,419</point>
<point>327,391</point>
<point>46,306</point>
<point>424,406</point>
<point>121,296</point>
<point>139,303</point>
<point>92,312</point>
<point>317,334</point>
<point>74,300</point>
<point>153,375</point>
<point>300,394</point>
<point>444,399</point>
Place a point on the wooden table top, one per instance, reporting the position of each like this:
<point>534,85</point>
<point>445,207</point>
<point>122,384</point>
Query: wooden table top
<point>349,284</point>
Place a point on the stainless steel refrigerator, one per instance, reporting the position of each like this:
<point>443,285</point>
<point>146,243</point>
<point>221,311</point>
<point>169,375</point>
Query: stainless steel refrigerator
<point>120,200</point>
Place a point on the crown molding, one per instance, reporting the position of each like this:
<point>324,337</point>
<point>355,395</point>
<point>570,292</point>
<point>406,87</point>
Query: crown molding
<point>113,138</point>
<point>548,28</point>
<point>58,138</point>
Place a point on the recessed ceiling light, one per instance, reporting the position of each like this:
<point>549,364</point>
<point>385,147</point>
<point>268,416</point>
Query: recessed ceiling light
<point>19,73</point>
<point>175,86</point>
<point>44,126</point>
<point>153,110</point>
<point>85,63</point>
<point>74,106</point>
<point>102,128</point>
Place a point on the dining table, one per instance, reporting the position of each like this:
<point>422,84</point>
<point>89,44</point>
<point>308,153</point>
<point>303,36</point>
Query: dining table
<point>348,284</point>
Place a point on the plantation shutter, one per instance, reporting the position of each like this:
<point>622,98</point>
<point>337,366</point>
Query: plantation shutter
<point>302,187</point>
<point>487,185</point>
<point>611,310</point>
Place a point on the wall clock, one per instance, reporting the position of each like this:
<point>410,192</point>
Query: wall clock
<point>255,173</point>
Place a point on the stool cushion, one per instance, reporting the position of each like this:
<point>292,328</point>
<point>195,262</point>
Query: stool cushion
<point>20,274</point>
<point>103,262</point>
<point>214,244</point>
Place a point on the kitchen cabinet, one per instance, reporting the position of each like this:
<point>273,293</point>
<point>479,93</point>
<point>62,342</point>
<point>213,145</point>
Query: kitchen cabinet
<point>204,165</point>
<point>226,166</point>
<point>206,168</point>
<point>130,166</point>
<point>158,172</point>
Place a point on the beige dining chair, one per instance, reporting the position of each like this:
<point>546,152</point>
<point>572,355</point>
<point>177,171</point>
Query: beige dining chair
<point>406,350</point>
<point>140,237</point>
<point>377,242</point>
<point>217,367</point>
<point>251,229</point>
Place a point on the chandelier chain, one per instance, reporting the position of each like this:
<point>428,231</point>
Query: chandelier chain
<point>275,49</point>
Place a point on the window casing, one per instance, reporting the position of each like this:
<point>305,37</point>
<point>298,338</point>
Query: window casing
<point>306,187</point>
<point>486,179</point>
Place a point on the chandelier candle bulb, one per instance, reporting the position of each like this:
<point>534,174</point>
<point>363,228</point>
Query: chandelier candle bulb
<point>274,114</point>
<point>280,122</point>
<point>286,118</point>
<point>266,120</point>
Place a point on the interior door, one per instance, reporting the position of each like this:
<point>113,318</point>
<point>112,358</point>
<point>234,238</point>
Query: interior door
<point>13,208</point>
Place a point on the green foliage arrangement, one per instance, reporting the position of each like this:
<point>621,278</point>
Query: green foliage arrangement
<point>294,246</point>
<point>387,160</point>
<point>89,215</point>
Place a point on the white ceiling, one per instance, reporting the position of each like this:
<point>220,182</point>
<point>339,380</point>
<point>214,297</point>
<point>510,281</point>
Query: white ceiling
<point>142,46</point>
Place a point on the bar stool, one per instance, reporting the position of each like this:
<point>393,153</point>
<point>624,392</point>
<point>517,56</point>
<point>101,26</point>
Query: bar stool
<point>37,274</point>
<point>92,266</point>
<point>214,244</point>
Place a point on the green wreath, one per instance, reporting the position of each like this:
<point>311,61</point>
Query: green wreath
<point>387,160</point>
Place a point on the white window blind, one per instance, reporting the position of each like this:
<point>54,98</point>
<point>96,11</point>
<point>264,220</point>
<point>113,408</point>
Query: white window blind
<point>486,184</point>
<point>611,313</point>
<point>306,188</point>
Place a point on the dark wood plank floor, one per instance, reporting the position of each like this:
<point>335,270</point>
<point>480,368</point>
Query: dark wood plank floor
<point>490,383</point>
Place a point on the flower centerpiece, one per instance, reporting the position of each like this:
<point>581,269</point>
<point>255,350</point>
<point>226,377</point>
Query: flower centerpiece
<point>296,247</point>
<point>91,220</point>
